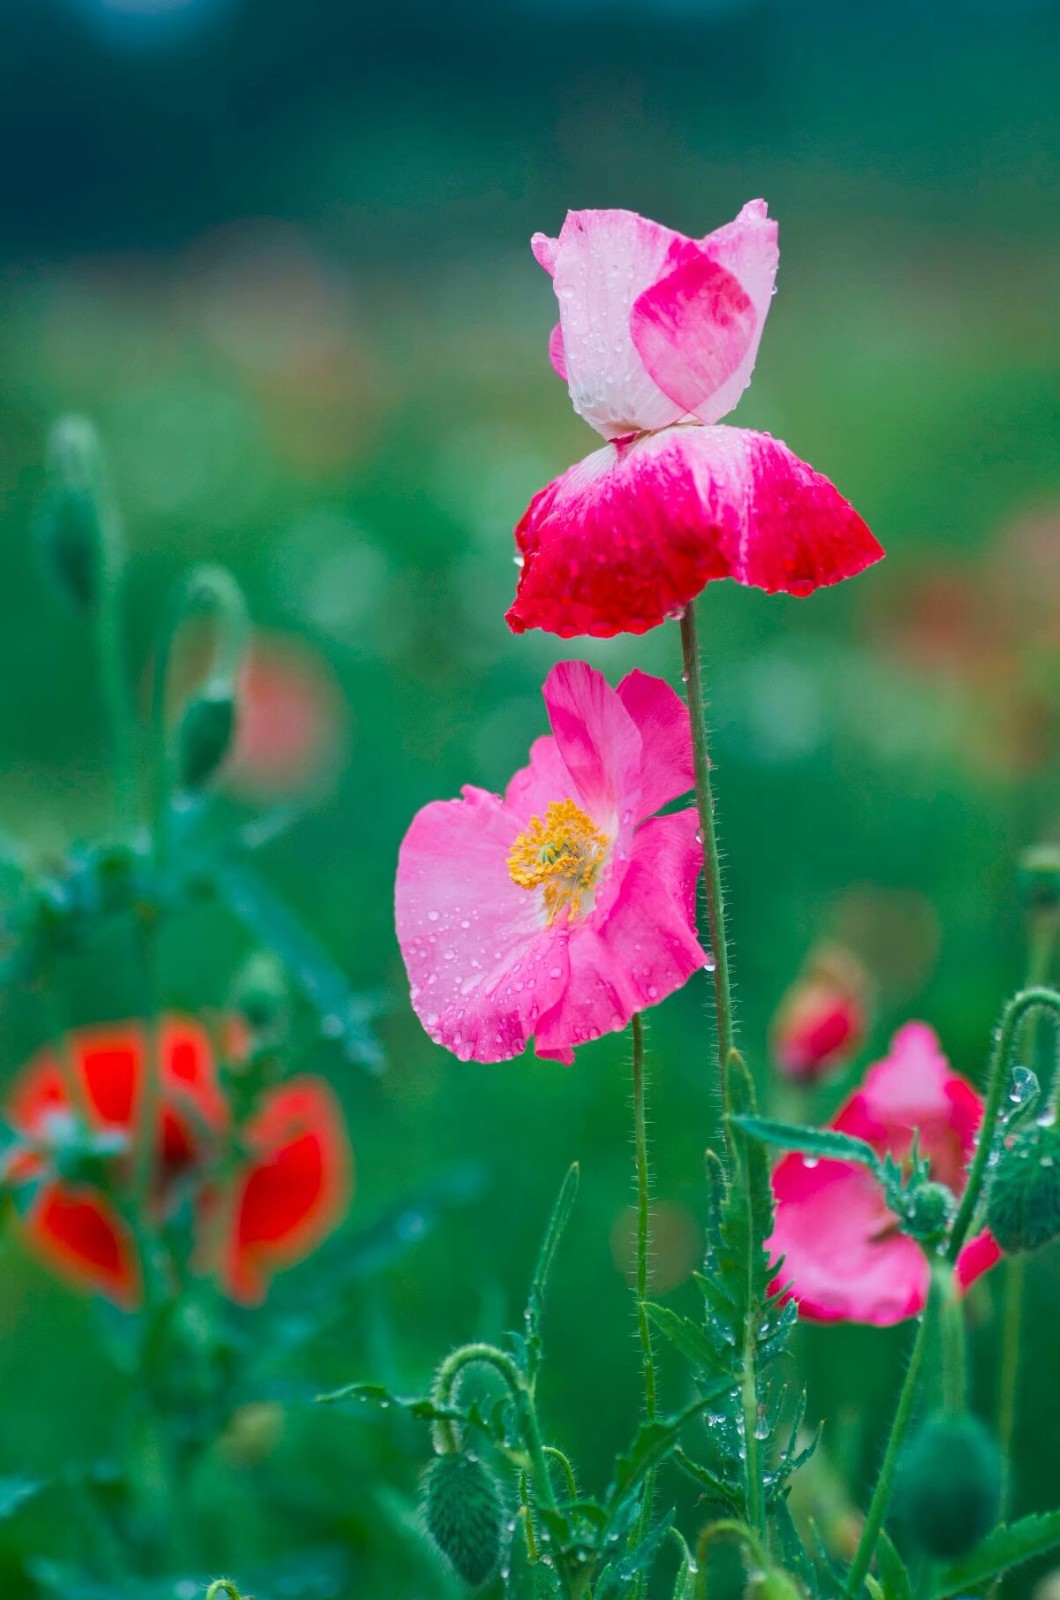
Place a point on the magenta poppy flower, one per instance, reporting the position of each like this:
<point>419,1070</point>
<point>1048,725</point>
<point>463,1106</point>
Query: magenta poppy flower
<point>843,1255</point>
<point>559,910</point>
<point>657,339</point>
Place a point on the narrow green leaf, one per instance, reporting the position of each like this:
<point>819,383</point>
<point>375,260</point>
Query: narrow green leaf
<point>15,1491</point>
<point>653,1442</point>
<point>686,1336</point>
<point>811,1141</point>
<point>687,1572</point>
<point>1004,1548</point>
<point>895,1582</point>
<point>557,1223</point>
<point>707,1480</point>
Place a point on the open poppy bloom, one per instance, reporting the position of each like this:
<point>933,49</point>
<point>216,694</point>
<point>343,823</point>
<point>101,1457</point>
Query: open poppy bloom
<point>844,1257</point>
<point>657,339</point>
<point>563,908</point>
<point>290,1192</point>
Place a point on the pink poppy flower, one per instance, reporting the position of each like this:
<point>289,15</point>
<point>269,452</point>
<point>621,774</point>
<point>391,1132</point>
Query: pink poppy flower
<point>843,1254</point>
<point>657,339</point>
<point>559,910</point>
<point>820,1023</point>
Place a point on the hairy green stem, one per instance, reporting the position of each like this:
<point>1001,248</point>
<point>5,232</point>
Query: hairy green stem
<point>640,1139</point>
<point>114,679</point>
<point>468,1355</point>
<point>725,1528</point>
<point>1018,1007</point>
<point>719,944</point>
<point>881,1495</point>
<point>954,1351</point>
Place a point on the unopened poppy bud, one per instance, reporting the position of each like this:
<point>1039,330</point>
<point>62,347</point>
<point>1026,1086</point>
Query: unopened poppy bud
<point>931,1209</point>
<point>1023,1206</point>
<point>261,994</point>
<point>462,1509</point>
<point>75,518</point>
<point>773,1585</point>
<point>821,1021</point>
<point>205,736</point>
<point>949,1486</point>
<point>1038,877</point>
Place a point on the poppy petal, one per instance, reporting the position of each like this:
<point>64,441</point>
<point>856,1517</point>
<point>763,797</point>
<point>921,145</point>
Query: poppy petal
<point>82,1238</point>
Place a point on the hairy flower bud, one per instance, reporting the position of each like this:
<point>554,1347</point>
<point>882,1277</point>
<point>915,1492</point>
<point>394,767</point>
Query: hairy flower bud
<point>205,736</point>
<point>75,519</point>
<point>949,1485</point>
<point>1023,1206</point>
<point>462,1509</point>
<point>931,1208</point>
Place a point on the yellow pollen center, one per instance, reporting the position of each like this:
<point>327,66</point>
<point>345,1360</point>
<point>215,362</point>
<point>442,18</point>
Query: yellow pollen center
<point>563,855</point>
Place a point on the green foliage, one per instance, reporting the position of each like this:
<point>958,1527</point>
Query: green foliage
<point>1004,1549</point>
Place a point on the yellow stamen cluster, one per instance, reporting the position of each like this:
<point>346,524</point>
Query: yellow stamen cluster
<point>563,854</point>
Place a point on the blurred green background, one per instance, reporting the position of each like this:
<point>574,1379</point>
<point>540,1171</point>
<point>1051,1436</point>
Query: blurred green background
<point>279,253</point>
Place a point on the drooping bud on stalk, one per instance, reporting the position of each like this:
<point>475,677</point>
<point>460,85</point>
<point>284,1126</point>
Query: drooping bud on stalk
<point>1038,877</point>
<point>821,1022</point>
<point>205,735</point>
<point>77,523</point>
<point>948,1492</point>
<point>464,1516</point>
<point>1023,1205</point>
<point>261,995</point>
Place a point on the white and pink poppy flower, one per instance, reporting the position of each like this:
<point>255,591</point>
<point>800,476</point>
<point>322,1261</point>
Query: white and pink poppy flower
<point>560,910</point>
<point>657,339</point>
<point>843,1254</point>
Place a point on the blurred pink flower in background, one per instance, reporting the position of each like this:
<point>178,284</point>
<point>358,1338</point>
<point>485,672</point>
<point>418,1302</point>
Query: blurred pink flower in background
<point>559,910</point>
<point>821,1021</point>
<point>843,1254</point>
<point>293,728</point>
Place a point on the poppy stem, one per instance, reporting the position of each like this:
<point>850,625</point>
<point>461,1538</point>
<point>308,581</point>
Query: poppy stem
<point>1035,998</point>
<point>640,1139</point>
<point>719,945</point>
<point>110,650</point>
<point>954,1351</point>
<point>881,1495</point>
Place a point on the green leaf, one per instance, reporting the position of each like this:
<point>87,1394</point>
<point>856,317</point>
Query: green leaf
<point>686,1336</point>
<point>15,1491</point>
<point>895,1582</point>
<point>709,1481</point>
<point>1004,1548</point>
<point>653,1442</point>
<point>343,1015</point>
<point>557,1223</point>
<point>824,1142</point>
<point>685,1583</point>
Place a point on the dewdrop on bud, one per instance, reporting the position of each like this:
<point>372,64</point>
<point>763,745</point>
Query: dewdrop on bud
<point>204,736</point>
<point>948,1492</point>
<point>1023,1205</point>
<point>463,1512</point>
<point>1038,877</point>
<point>75,518</point>
<point>931,1209</point>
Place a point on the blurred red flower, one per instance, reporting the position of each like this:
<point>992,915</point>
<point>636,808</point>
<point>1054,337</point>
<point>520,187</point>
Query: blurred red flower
<point>821,1021</point>
<point>289,1189</point>
<point>292,727</point>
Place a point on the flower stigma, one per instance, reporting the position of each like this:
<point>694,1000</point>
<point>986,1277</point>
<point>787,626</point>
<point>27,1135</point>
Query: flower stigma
<point>562,854</point>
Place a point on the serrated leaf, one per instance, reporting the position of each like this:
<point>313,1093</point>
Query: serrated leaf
<point>653,1442</point>
<point>344,1016</point>
<point>895,1582</point>
<point>535,1304</point>
<point>707,1480</point>
<point>686,1336</point>
<point>618,1574</point>
<point>1004,1548</point>
<point>821,1142</point>
<point>687,1572</point>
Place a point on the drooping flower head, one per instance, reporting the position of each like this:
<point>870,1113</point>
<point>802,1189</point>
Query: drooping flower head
<point>843,1253</point>
<point>657,339</point>
<point>821,1020</point>
<point>559,910</point>
<point>290,1190</point>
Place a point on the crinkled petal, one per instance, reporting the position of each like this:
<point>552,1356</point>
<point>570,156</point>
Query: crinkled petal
<point>639,952</point>
<point>556,352</point>
<point>295,1190</point>
<point>630,535</point>
<point>602,262</point>
<point>482,963</point>
<point>747,247</point>
<point>81,1237</point>
<point>693,328</point>
<point>598,742</point>
<point>977,1257</point>
<point>843,1256</point>
<point>665,730</point>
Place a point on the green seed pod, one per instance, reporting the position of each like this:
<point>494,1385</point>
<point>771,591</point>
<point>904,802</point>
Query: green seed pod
<point>76,519</point>
<point>931,1209</point>
<point>462,1508</point>
<point>205,736</point>
<point>1023,1205</point>
<point>948,1493</point>
<point>1038,877</point>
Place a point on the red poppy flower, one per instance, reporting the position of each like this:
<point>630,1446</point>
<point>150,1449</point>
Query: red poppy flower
<point>820,1023</point>
<point>843,1253</point>
<point>657,339</point>
<point>290,1192</point>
